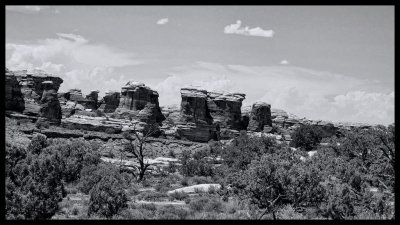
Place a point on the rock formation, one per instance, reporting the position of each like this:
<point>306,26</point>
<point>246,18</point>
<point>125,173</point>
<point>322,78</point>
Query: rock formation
<point>260,116</point>
<point>13,95</point>
<point>50,108</point>
<point>32,88</point>
<point>225,109</point>
<point>110,102</point>
<point>139,102</point>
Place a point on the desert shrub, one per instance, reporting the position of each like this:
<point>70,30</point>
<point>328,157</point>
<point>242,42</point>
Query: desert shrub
<point>307,137</point>
<point>243,149</point>
<point>152,196</point>
<point>198,205</point>
<point>185,181</point>
<point>212,190</point>
<point>171,153</point>
<point>74,155</point>
<point>214,205</point>
<point>92,174</point>
<point>38,142</point>
<point>34,185</point>
<point>172,213</point>
<point>172,167</point>
<point>107,197</point>
<point>130,214</point>
<point>75,210</point>
<point>197,165</point>
<point>288,213</point>
<point>200,180</point>
<point>179,195</point>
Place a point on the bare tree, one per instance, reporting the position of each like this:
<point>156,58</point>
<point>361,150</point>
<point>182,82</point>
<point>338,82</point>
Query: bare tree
<point>135,146</point>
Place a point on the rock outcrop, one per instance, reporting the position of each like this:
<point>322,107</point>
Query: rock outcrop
<point>225,109</point>
<point>260,116</point>
<point>50,108</point>
<point>14,99</point>
<point>140,102</point>
<point>32,88</point>
<point>110,102</point>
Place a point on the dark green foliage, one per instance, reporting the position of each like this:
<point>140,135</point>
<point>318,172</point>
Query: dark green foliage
<point>196,165</point>
<point>107,197</point>
<point>74,155</point>
<point>91,175</point>
<point>152,196</point>
<point>172,213</point>
<point>179,195</point>
<point>38,142</point>
<point>243,149</point>
<point>198,204</point>
<point>33,185</point>
<point>307,137</point>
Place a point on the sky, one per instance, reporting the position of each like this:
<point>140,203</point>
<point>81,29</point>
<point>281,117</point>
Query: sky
<point>331,63</point>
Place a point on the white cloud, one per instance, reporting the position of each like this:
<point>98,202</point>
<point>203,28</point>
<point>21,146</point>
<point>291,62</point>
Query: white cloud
<point>304,92</point>
<point>80,63</point>
<point>284,62</point>
<point>257,31</point>
<point>32,9</point>
<point>162,21</point>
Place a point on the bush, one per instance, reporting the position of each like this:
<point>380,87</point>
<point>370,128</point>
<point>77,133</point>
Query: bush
<point>179,195</point>
<point>197,165</point>
<point>198,205</point>
<point>42,124</point>
<point>214,205</point>
<point>172,213</point>
<point>107,197</point>
<point>171,153</point>
<point>91,175</point>
<point>110,131</point>
<point>38,142</point>
<point>152,196</point>
<point>307,137</point>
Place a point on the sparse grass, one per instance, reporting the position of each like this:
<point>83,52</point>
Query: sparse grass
<point>179,195</point>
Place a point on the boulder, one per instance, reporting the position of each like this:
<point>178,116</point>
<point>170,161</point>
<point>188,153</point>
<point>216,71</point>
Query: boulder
<point>92,98</point>
<point>260,116</point>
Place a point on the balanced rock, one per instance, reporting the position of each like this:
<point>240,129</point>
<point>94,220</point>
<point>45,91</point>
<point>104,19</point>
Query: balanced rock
<point>260,116</point>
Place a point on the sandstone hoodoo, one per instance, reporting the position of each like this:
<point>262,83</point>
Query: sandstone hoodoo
<point>110,102</point>
<point>50,108</point>
<point>141,102</point>
<point>260,116</point>
<point>225,109</point>
<point>32,88</point>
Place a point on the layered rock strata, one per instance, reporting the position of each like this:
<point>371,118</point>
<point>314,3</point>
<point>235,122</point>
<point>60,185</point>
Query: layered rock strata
<point>50,108</point>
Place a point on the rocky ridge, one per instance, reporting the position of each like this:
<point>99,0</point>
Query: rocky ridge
<point>201,116</point>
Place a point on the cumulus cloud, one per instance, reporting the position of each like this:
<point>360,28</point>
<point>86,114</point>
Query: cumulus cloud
<point>162,21</point>
<point>257,31</point>
<point>31,9</point>
<point>303,92</point>
<point>284,62</point>
<point>75,59</point>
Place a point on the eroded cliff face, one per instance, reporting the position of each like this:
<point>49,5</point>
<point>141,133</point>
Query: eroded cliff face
<point>260,117</point>
<point>140,102</point>
<point>200,117</point>
<point>33,94</point>
<point>14,99</point>
<point>110,102</point>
